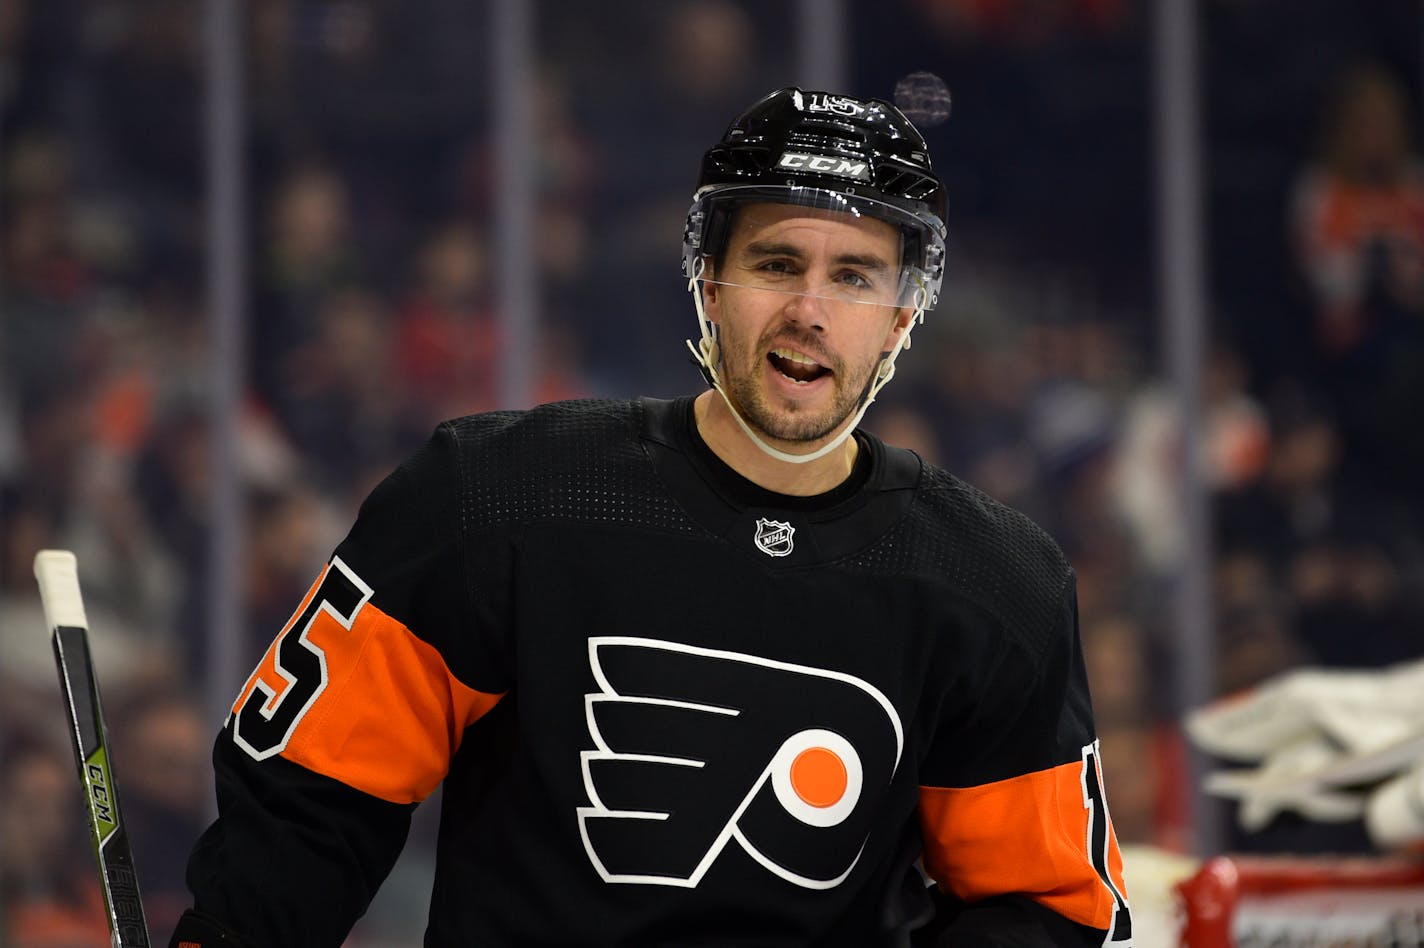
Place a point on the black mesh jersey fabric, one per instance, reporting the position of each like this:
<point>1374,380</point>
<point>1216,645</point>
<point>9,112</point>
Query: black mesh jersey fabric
<point>578,462</point>
<point>957,536</point>
<point>596,462</point>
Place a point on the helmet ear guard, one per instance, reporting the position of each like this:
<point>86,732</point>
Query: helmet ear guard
<point>709,224</point>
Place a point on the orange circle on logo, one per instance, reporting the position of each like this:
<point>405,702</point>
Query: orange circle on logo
<point>818,775</point>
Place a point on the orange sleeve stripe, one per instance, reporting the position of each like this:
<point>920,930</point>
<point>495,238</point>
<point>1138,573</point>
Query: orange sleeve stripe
<point>391,715</point>
<point>1027,834</point>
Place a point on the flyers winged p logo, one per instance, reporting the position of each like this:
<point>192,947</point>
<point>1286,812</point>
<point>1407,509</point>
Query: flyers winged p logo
<point>695,748</point>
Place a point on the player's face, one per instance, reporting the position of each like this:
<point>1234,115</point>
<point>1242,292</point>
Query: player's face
<point>799,332</point>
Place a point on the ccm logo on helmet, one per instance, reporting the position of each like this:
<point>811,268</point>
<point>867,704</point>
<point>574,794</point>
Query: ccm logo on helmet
<point>696,748</point>
<point>825,164</point>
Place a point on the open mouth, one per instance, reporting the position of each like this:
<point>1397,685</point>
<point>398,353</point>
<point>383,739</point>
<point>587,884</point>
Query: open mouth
<point>796,366</point>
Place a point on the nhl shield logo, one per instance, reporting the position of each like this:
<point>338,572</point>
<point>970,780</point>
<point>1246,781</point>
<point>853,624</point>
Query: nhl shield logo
<point>774,537</point>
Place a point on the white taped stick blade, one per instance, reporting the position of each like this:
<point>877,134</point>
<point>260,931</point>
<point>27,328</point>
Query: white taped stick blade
<point>58,575</point>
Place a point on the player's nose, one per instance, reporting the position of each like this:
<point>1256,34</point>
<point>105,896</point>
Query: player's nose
<point>808,309</point>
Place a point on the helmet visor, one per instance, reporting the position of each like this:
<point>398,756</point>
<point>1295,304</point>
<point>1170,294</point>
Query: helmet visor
<point>811,242</point>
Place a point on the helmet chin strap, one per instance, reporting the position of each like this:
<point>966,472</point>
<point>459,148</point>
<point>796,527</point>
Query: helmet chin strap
<point>707,354</point>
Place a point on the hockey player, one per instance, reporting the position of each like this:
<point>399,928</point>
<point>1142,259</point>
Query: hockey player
<point>719,670</point>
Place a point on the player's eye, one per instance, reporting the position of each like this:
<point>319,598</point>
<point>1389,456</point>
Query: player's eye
<point>854,280</point>
<point>776,267</point>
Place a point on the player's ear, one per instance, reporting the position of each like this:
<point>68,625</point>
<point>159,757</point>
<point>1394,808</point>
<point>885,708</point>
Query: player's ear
<point>711,300</point>
<point>904,317</point>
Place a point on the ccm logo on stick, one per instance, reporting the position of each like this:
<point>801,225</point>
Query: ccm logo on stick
<point>825,164</point>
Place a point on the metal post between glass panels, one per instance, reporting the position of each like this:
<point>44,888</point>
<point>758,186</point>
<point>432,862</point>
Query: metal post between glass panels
<point>1182,296</point>
<point>226,296</point>
<point>515,255</point>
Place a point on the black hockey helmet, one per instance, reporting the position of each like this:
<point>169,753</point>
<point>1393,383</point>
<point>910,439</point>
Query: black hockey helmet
<point>829,152</point>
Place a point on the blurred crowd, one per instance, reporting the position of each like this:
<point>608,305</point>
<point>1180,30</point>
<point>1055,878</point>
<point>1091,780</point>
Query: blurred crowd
<point>371,315</point>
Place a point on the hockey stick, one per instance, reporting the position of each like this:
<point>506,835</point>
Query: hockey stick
<point>69,627</point>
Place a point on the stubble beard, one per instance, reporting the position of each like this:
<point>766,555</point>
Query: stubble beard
<point>789,422</point>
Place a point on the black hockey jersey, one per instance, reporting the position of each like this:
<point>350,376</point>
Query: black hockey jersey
<point>668,707</point>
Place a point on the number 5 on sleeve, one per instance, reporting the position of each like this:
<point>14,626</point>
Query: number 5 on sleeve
<point>294,674</point>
